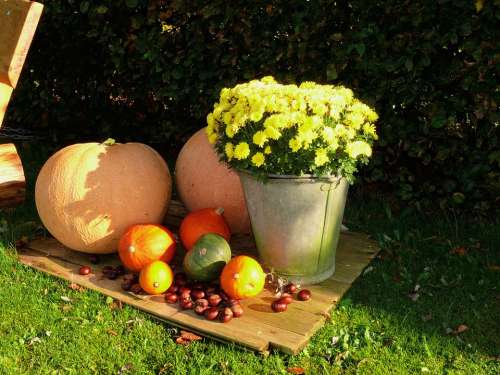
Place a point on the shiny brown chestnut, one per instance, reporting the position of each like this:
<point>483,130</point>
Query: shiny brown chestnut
<point>211,313</point>
<point>197,294</point>
<point>225,315</point>
<point>127,284</point>
<point>304,295</point>
<point>278,306</point>
<point>173,289</point>
<point>84,270</point>
<point>171,297</point>
<point>286,298</point>
<point>214,300</point>
<point>186,304</point>
<point>120,270</point>
<point>237,310</point>
<point>290,288</point>
<point>136,288</point>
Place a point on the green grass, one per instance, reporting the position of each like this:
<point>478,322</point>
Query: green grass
<point>376,329</point>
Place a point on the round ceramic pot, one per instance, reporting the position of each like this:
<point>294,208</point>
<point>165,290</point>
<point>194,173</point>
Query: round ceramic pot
<point>296,222</point>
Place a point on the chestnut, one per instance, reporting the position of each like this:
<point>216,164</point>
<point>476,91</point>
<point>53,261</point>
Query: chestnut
<point>200,306</point>
<point>225,315</point>
<point>211,290</point>
<point>197,294</point>
<point>184,289</point>
<point>211,313</point>
<point>214,300</point>
<point>112,275</point>
<point>286,298</point>
<point>173,289</point>
<point>290,288</point>
<point>171,297</point>
<point>127,284</point>
<point>85,270</point>
<point>237,310</point>
<point>304,295</point>
<point>136,289</point>
<point>224,296</point>
<point>278,306</point>
<point>186,304</point>
<point>120,270</point>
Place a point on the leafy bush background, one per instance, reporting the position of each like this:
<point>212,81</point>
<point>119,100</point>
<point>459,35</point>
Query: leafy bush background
<point>151,70</point>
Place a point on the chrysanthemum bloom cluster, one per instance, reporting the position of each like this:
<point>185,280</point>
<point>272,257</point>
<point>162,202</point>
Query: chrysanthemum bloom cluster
<point>268,128</point>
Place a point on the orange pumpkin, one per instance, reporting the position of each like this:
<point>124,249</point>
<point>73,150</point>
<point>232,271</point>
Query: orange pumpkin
<point>88,194</point>
<point>204,181</point>
<point>144,243</point>
<point>156,277</point>
<point>198,223</point>
<point>242,277</point>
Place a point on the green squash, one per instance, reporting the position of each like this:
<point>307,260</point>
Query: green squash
<point>207,258</point>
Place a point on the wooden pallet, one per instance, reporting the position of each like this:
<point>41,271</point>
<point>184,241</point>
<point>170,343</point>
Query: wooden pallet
<point>258,329</point>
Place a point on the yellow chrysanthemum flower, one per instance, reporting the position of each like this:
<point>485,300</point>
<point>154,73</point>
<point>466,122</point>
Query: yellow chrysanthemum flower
<point>229,150</point>
<point>241,151</point>
<point>369,129</point>
<point>321,157</point>
<point>258,159</point>
<point>273,133</point>
<point>267,150</point>
<point>227,118</point>
<point>230,131</point>
<point>358,148</point>
<point>355,120</point>
<point>294,144</point>
<point>212,138</point>
<point>259,138</point>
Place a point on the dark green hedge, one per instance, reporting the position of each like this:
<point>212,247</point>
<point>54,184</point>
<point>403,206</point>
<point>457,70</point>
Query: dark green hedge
<point>151,70</point>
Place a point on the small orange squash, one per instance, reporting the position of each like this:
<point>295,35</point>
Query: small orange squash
<point>156,277</point>
<point>142,244</point>
<point>198,223</point>
<point>242,277</point>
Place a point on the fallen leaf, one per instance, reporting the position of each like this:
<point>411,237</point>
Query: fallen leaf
<point>460,329</point>
<point>189,336</point>
<point>179,340</point>
<point>111,332</point>
<point>460,251</point>
<point>116,305</point>
<point>296,370</point>
<point>66,299</point>
<point>76,287</point>
<point>67,308</point>
<point>335,340</point>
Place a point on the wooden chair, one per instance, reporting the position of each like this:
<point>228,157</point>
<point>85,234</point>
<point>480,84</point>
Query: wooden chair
<point>18,22</point>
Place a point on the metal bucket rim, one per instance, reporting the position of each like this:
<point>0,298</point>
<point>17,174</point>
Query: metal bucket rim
<point>304,177</point>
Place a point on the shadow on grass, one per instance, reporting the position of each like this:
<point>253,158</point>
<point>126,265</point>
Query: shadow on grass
<point>436,275</point>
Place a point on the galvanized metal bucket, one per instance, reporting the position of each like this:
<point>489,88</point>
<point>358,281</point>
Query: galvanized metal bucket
<point>296,223</point>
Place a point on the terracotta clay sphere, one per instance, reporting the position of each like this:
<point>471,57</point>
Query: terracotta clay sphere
<point>203,182</point>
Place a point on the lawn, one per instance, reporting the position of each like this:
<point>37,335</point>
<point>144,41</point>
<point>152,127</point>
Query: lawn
<point>429,304</point>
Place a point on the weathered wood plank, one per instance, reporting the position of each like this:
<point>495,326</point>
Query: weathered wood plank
<point>259,328</point>
<point>18,22</point>
<point>12,181</point>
